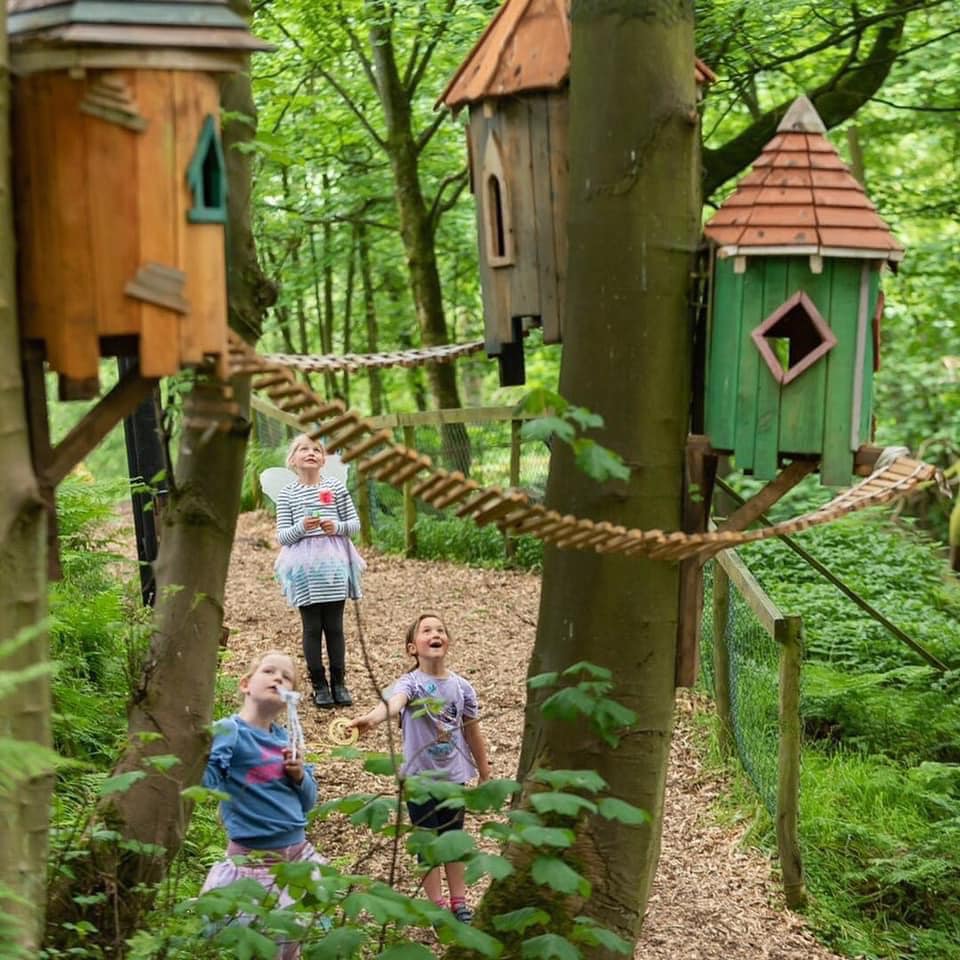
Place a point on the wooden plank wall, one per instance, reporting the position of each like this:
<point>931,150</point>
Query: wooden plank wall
<point>723,362</point>
<point>803,401</point>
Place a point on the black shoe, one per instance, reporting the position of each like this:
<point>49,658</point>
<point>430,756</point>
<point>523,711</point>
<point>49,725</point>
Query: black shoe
<point>321,695</point>
<point>341,695</point>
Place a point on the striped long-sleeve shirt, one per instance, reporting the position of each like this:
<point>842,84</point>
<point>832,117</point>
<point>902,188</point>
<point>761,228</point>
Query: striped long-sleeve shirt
<point>327,499</point>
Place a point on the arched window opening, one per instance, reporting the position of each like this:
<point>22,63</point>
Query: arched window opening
<point>498,232</point>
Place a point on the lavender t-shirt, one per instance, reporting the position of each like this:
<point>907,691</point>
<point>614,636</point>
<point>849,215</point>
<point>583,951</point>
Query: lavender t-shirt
<point>433,735</point>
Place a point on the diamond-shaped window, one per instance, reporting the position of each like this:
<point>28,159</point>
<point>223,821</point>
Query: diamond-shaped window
<point>793,338</point>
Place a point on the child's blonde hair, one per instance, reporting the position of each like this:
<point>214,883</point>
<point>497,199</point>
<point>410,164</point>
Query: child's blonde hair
<point>412,631</point>
<point>254,665</point>
<point>297,441</point>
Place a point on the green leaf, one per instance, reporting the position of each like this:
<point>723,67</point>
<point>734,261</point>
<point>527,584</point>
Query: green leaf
<point>375,814</point>
<point>584,418</point>
<point>540,400</point>
<point>549,946</point>
<point>120,783</point>
<point>470,938</point>
<point>588,780</point>
<point>543,680</point>
<point>382,764</point>
<point>340,943</point>
<point>590,669</point>
<point>449,847</point>
<point>197,793</point>
<point>614,809</point>
<point>406,951</point>
<point>588,931</point>
<point>546,836</point>
<point>162,762</point>
<point>245,943</point>
<point>518,920</point>
<point>489,864</point>
<point>597,462</point>
<point>566,804</point>
<point>546,428</point>
<point>569,704</point>
<point>491,795</point>
<point>554,873</point>
<point>347,753</point>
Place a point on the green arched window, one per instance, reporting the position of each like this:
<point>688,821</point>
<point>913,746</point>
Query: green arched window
<point>207,177</point>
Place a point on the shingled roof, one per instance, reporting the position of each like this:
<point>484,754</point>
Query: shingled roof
<point>525,47</point>
<point>198,24</point>
<point>801,198</point>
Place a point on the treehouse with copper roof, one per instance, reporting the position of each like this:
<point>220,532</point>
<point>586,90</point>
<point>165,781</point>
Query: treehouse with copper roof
<point>515,83</point>
<point>793,332</point>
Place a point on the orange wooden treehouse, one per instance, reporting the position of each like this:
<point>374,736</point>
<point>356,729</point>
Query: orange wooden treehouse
<point>120,182</point>
<point>120,202</point>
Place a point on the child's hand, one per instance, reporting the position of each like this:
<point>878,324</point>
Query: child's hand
<point>329,526</point>
<point>311,523</point>
<point>362,724</point>
<point>293,768</point>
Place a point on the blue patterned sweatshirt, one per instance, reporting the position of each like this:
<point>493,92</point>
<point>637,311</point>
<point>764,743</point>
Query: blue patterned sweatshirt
<point>266,809</point>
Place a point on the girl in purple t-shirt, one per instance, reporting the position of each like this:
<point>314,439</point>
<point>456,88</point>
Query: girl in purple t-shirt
<point>441,735</point>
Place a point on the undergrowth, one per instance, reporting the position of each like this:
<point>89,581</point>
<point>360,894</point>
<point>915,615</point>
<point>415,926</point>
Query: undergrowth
<point>880,781</point>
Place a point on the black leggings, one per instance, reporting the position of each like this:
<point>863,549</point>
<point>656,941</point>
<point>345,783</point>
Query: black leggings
<point>319,620</point>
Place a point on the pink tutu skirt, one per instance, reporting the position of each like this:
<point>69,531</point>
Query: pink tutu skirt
<point>319,569</point>
<point>225,872</point>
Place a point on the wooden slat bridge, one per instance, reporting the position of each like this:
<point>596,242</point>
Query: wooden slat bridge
<point>355,438</point>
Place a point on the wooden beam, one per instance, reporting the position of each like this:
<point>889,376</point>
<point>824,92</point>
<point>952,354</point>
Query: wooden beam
<point>760,502</point>
<point>701,468</point>
<point>131,390</point>
<point>763,607</point>
<point>35,397</point>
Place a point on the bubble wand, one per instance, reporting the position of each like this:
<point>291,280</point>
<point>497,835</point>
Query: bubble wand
<point>298,746</point>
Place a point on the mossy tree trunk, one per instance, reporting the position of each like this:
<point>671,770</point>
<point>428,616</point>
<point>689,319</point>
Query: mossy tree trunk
<point>633,228</point>
<point>417,223</point>
<point>175,698</point>
<point>25,711</point>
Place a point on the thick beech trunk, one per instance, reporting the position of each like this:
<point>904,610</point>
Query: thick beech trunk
<point>25,712</point>
<point>634,223</point>
<point>175,699</point>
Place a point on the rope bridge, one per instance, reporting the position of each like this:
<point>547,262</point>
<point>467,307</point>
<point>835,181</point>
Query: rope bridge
<point>356,439</point>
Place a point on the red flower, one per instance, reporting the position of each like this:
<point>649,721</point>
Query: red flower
<point>325,496</point>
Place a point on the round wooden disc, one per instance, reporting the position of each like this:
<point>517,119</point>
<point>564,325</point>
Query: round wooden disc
<point>340,732</point>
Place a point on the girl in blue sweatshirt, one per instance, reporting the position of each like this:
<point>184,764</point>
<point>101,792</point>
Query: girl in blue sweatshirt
<point>271,790</point>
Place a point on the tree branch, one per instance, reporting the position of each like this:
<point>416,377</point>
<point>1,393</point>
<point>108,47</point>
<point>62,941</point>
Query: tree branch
<point>428,133</point>
<point>835,100</point>
<point>440,206</point>
<point>353,108</point>
<point>417,74</point>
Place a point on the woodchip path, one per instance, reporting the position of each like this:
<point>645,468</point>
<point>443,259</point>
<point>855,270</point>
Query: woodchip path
<point>712,900</point>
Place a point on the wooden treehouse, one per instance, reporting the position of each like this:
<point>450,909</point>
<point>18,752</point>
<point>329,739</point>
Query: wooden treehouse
<point>515,83</point>
<point>119,181</point>
<point>120,201</point>
<point>795,316</point>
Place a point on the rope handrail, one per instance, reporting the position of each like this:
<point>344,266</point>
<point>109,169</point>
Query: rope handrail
<point>356,438</point>
<point>352,362</point>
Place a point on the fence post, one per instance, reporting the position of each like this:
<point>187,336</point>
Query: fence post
<point>788,631</point>
<point>363,509</point>
<point>721,657</point>
<point>409,504</point>
<point>509,543</point>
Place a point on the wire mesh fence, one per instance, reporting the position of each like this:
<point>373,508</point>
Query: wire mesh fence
<point>752,676</point>
<point>751,655</point>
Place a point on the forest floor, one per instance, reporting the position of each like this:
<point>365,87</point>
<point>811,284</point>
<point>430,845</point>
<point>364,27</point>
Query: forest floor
<point>713,898</point>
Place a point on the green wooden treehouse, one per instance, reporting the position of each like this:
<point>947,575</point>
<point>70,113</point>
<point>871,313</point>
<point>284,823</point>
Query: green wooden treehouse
<point>796,308</point>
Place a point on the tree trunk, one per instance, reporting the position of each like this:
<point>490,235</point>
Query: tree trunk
<point>25,712</point>
<point>417,228</point>
<point>374,377</point>
<point>175,699</point>
<point>633,229</point>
